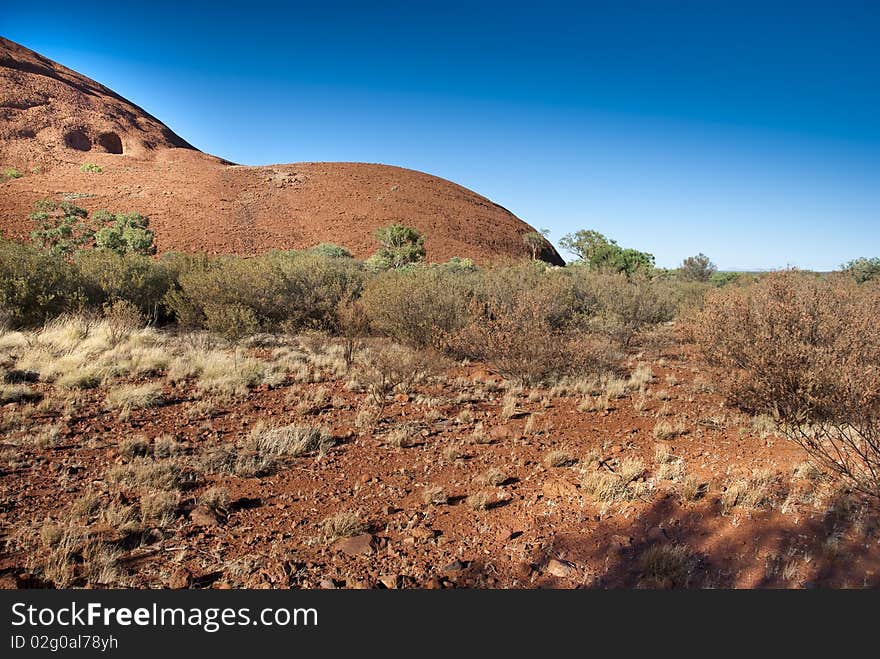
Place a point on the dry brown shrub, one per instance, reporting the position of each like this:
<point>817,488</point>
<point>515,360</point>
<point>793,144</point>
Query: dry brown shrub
<point>388,367</point>
<point>805,349</point>
<point>524,345</point>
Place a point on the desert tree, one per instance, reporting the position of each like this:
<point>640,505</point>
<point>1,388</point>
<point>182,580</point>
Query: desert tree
<point>400,246</point>
<point>603,254</point>
<point>863,269</point>
<point>536,242</point>
<point>697,268</point>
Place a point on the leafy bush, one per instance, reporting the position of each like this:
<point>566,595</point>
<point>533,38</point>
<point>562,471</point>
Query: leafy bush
<point>124,233</point>
<point>61,228</point>
<point>400,246</point>
<point>90,168</point>
<point>863,269</point>
<point>697,268</point>
<point>133,278</point>
<point>280,290</point>
<point>36,286</point>
<point>417,307</point>
<point>457,264</point>
<point>11,173</point>
<point>330,249</point>
<point>807,350</point>
<point>618,307</point>
<point>600,253</point>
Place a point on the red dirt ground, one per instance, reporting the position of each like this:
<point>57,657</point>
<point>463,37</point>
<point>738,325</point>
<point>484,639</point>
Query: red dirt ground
<point>54,120</point>
<point>546,532</point>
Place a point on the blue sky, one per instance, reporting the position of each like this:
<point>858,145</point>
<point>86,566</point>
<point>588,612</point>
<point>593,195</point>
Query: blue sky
<point>748,131</point>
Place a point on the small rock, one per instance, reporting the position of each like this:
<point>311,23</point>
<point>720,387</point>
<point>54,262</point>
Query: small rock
<point>559,488</point>
<point>180,579</point>
<point>433,583</point>
<point>8,582</point>
<point>522,570</point>
<point>559,568</point>
<point>423,534</point>
<point>204,516</point>
<point>356,545</point>
<point>454,566</point>
<point>328,584</point>
<point>390,581</point>
<point>501,432</point>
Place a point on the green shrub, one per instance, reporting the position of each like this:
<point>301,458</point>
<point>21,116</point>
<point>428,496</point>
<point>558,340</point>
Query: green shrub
<point>124,233</point>
<point>11,173</point>
<point>457,264</point>
<point>280,290</point>
<point>400,246</point>
<point>618,306</point>
<point>418,306</point>
<point>61,228</point>
<point>64,228</point>
<point>720,279</point>
<point>133,278</point>
<point>36,286</point>
<point>90,168</point>
<point>603,254</point>
<point>863,269</point>
<point>331,249</point>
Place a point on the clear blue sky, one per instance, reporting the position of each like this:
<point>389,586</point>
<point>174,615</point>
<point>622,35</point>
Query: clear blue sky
<point>748,131</point>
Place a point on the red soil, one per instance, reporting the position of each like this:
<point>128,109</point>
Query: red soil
<point>544,532</point>
<point>54,120</point>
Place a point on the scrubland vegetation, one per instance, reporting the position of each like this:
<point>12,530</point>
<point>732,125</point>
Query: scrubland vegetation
<point>163,400</point>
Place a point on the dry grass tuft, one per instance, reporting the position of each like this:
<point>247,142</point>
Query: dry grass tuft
<point>292,441</point>
<point>559,458</point>
<point>344,524</point>
<point>668,566</point>
<point>754,493</point>
<point>402,436</point>
<point>665,430</point>
<point>493,476</point>
<point>482,500</point>
<point>692,488</point>
<point>134,397</point>
<point>623,484</point>
<point>434,495</point>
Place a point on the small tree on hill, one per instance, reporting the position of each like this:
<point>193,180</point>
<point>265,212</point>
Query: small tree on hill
<point>537,243</point>
<point>400,246</point>
<point>62,228</point>
<point>124,233</point>
<point>332,250</point>
<point>697,268</point>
